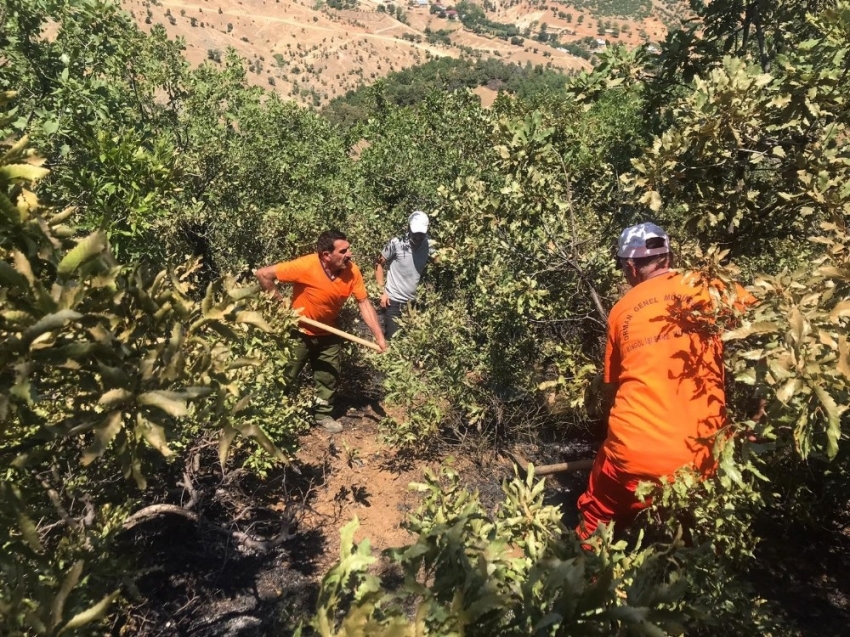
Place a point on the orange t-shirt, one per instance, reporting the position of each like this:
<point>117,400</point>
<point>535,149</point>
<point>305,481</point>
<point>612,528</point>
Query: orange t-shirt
<point>313,291</point>
<point>669,375</point>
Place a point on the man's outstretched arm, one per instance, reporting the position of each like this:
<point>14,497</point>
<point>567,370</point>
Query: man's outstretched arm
<point>268,280</point>
<point>370,317</point>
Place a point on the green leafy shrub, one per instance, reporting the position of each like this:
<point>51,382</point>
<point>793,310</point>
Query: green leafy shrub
<point>273,409</point>
<point>736,157</point>
<point>442,388</point>
<point>518,571</point>
<point>511,270</point>
<point>735,135</point>
<point>105,368</point>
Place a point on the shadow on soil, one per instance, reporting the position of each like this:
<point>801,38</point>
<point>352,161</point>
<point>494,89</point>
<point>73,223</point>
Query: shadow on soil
<point>806,574</point>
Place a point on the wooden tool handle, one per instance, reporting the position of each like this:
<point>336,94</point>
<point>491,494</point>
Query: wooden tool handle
<point>575,465</point>
<point>345,335</point>
<point>547,469</point>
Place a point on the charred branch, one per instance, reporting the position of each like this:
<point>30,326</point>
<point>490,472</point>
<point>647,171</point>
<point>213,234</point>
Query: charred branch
<point>260,545</point>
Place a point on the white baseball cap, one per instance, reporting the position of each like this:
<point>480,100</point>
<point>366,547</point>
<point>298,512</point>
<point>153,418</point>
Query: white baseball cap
<point>418,222</point>
<point>633,240</point>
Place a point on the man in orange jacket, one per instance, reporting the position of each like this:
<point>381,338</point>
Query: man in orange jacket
<point>321,284</point>
<point>669,378</point>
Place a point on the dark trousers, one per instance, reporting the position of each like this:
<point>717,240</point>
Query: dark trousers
<point>391,314</point>
<point>324,354</point>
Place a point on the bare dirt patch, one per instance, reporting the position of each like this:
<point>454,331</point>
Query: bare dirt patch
<point>486,95</point>
<point>582,24</point>
<point>365,480</point>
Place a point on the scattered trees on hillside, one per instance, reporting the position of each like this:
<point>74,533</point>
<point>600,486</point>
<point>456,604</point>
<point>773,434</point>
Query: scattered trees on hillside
<point>636,9</point>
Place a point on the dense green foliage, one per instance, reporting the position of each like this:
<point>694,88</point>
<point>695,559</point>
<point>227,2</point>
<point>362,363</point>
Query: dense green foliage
<point>112,369</point>
<point>119,355</point>
<point>520,572</point>
<point>98,357</point>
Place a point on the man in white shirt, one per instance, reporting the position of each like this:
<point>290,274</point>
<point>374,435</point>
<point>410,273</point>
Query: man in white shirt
<point>405,259</point>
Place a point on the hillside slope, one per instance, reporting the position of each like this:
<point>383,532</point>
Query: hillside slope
<point>311,52</point>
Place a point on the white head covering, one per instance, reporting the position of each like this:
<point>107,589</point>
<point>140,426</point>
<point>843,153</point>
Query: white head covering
<point>632,243</point>
<point>418,222</point>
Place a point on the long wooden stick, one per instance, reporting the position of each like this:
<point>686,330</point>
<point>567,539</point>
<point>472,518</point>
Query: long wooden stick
<point>563,467</point>
<point>345,335</point>
<point>547,469</point>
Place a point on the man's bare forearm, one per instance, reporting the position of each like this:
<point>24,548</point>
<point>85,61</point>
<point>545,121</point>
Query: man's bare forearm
<point>379,277</point>
<point>370,317</point>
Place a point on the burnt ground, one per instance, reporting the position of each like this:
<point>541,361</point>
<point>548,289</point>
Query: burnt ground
<point>805,573</point>
<point>201,583</point>
<point>196,581</point>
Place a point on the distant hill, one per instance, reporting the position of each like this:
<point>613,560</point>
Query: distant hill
<point>314,51</point>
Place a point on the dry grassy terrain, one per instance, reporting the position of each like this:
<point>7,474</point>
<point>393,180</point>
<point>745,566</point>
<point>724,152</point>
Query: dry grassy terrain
<point>309,52</point>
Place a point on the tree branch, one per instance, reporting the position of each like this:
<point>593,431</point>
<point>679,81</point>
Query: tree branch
<point>53,495</point>
<point>765,63</point>
<point>597,302</point>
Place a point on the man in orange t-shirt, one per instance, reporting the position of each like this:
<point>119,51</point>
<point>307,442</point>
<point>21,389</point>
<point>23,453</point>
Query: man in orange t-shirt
<point>321,284</point>
<point>668,372</point>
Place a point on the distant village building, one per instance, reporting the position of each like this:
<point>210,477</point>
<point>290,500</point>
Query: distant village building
<point>451,14</point>
<point>422,3</point>
<point>601,43</point>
